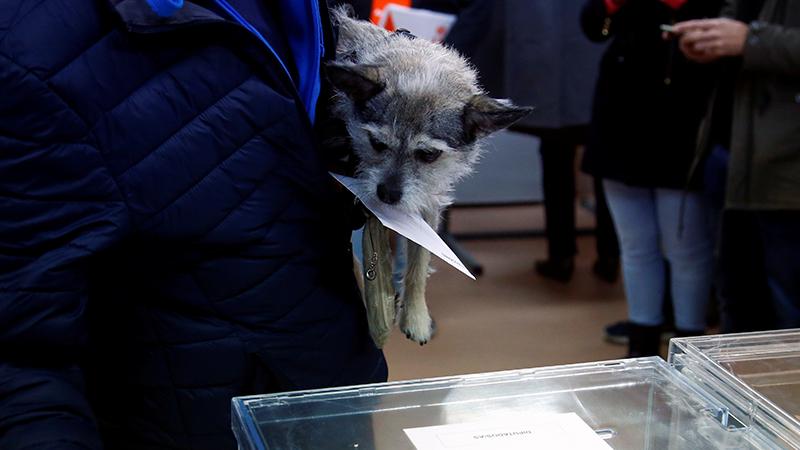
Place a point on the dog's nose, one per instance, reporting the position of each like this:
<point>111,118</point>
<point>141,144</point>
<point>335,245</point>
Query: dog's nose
<point>389,195</point>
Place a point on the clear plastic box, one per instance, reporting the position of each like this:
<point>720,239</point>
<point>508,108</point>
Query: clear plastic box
<point>631,404</point>
<point>755,375</point>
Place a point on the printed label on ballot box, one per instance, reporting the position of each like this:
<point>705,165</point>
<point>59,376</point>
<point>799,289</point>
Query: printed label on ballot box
<point>529,432</point>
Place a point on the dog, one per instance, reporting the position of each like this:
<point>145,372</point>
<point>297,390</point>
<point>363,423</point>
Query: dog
<point>415,117</point>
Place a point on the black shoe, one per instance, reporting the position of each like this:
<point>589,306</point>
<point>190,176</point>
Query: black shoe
<point>618,333</point>
<point>644,340</point>
<point>556,269</point>
<point>607,269</point>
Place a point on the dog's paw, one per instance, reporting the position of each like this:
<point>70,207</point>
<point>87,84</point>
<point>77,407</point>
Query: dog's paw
<point>419,327</point>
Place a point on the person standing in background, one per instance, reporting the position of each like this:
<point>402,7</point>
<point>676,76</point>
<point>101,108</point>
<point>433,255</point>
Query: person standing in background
<point>648,106</point>
<point>552,66</point>
<point>759,243</point>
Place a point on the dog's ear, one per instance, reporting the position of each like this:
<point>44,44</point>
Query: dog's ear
<point>484,115</point>
<point>359,82</point>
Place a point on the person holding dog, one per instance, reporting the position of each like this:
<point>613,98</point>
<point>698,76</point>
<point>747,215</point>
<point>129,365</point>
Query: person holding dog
<point>169,234</point>
<point>759,242</point>
<point>649,102</point>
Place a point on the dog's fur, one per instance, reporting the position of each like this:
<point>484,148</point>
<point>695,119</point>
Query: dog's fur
<point>415,116</point>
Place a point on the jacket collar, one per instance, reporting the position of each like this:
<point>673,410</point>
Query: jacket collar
<point>138,17</point>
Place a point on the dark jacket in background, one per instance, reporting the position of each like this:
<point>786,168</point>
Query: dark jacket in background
<point>474,20</point>
<point>764,171</point>
<point>549,63</point>
<point>169,235</point>
<point>649,100</point>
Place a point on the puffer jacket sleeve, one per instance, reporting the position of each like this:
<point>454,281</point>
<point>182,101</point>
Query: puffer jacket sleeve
<point>59,206</point>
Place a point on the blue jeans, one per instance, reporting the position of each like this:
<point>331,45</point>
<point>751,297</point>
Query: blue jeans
<point>648,224</point>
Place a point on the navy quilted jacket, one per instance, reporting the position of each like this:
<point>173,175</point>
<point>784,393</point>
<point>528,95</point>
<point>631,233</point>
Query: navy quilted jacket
<point>169,236</point>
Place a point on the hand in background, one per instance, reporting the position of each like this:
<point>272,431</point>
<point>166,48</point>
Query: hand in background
<point>710,39</point>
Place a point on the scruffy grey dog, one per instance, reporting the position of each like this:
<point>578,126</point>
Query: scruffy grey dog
<point>415,115</point>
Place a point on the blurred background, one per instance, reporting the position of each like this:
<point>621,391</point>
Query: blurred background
<point>604,223</point>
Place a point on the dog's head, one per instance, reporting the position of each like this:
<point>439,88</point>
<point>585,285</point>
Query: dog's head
<point>416,118</point>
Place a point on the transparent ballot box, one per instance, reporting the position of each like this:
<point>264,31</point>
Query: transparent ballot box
<point>628,404</point>
<point>755,375</point>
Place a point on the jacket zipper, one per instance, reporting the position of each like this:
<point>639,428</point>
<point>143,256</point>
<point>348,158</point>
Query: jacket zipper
<point>317,61</point>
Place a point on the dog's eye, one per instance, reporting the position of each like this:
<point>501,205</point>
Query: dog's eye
<point>377,145</point>
<point>427,156</point>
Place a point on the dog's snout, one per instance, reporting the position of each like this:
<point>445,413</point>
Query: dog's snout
<point>389,194</point>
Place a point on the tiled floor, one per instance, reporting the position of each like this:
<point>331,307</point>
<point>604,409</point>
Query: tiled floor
<point>510,318</point>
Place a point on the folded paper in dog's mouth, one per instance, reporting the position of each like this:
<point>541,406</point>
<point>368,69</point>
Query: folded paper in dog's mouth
<point>411,227</point>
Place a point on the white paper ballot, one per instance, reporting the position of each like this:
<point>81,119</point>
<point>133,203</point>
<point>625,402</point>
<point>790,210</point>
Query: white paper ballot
<point>412,227</point>
<point>425,24</point>
<point>529,432</point>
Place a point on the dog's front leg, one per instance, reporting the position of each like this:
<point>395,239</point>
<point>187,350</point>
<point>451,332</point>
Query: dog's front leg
<point>415,320</point>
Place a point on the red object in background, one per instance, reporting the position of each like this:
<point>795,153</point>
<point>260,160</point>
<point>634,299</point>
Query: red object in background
<point>674,4</point>
<point>613,5</point>
<point>389,25</point>
<point>378,5</point>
